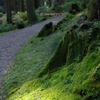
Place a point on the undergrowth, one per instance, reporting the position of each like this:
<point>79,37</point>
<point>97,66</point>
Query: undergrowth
<point>77,81</point>
<point>77,72</point>
<point>30,60</point>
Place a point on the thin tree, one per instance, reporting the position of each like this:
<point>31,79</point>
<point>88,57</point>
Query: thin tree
<point>49,3</point>
<point>21,6</point>
<point>13,5</point>
<point>42,2</point>
<point>31,11</point>
<point>37,3</point>
<point>98,1</point>
<point>8,9</point>
<point>93,10</point>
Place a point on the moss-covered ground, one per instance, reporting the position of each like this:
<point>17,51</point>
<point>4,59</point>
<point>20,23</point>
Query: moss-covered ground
<point>77,81</point>
<point>76,75</point>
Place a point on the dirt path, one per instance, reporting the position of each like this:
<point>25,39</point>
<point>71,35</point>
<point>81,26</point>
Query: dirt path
<point>12,42</point>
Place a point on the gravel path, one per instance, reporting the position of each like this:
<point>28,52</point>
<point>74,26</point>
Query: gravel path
<point>12,42</point>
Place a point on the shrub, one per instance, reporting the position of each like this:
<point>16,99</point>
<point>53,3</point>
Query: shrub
<point>1,14</point>
<point>58,9</point>
<point>1,9</point>
<point>42,10</point>
<point>74,8</point>
<point>26,22</point>
<point>1,21</point>
<point>23,15</point>
<point>68,17</point>
<point>7,27</point>
<point>20,23</point>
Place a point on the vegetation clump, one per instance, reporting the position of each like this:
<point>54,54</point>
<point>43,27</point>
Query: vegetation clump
<point>74,8</point>
<point>46,30</point>
<point>1,14</point>
<point>66,51</point>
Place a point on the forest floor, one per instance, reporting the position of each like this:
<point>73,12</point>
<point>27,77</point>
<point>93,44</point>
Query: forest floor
<point>11,43</point>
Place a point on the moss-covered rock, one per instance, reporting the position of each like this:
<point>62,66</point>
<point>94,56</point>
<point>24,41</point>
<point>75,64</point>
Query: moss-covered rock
<point>59,56</point>
<point>64,53</point>
<point>72,48</point>
<point>58,26</point>
<point>54,28</point>
<point>46,30</point>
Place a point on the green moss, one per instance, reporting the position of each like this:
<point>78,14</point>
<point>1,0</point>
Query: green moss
<point>65,52</point>
<point>74,42</point>
<point>59,56</point>
<point>68,17</point>
<point>46,30</point>
<point>74,82</point>
<point>71,49</point>
<point>76,60</point>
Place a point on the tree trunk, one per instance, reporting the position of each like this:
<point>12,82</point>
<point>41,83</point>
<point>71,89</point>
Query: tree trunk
<point>92,10</point>
<point>31,11</point>
<point>37,3</point>
<point>49,3</point>
<point>42,2</point>
<point>99,9</point>
<point>21,3</point>
<point>58,2</point>
<point>8,9</point>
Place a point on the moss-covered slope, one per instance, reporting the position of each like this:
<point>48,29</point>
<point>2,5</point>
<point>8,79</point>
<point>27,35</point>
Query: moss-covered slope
<point>71,73</point>
<point>78,81</point>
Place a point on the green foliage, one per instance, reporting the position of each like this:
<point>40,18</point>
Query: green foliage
<point>68,17</point>
<point>42,9</point>
<point>1,9</point>
<point>1,14</point>
<point>20,23</point>
<point>81,4</point>
<point>58,9</point>
<point>7,27</point>
<point>23,15</point>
